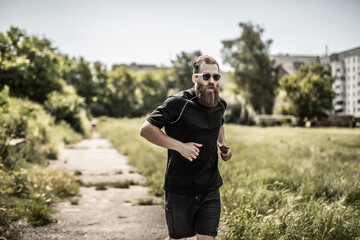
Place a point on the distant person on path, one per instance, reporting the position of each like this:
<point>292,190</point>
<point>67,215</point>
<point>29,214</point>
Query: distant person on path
<point>93,125</point>
<point>193,121</point>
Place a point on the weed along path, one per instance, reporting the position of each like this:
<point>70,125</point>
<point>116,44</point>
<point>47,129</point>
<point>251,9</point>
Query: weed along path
<point>113,203</point>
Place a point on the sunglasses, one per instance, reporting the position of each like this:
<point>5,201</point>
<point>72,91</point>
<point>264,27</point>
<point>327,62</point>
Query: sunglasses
<point>206,76</point>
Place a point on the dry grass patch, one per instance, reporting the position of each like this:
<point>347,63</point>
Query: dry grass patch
<point>100,186</point>
<point>144,202</point>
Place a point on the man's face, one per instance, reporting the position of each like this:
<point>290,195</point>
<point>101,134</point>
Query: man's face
<point>207,91</point>
<point>210,84</point>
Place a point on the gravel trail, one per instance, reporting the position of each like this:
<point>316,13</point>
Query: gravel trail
<point>114,213</point>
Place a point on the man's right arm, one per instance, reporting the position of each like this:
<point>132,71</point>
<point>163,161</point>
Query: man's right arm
<point>154,135</point>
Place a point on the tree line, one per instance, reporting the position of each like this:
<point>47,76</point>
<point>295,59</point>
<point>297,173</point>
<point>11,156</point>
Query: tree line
<point>34,69</point>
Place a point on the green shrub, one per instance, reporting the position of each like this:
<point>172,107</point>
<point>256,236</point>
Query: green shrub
<point>39,213</point>
<point>7,231</point>
<point>29,192</point>
<point>4,113</point>
<point>26,188</point>
<point>42,135</point>
<point>69,107</point>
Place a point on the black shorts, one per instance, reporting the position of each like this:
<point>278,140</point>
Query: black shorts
<point>188,215</point>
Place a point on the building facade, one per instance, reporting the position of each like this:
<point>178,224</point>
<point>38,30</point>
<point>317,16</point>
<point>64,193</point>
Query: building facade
<point>137,67</point>
<point>289,64</point>
<point>345,67</point>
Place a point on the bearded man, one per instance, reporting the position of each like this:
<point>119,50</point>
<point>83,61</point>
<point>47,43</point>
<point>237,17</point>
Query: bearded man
<point>193,121</point>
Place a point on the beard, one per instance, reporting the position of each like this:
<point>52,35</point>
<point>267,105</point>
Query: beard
<point>207,98</point>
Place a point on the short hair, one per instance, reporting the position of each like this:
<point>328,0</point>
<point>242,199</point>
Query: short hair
<point>206,60</point>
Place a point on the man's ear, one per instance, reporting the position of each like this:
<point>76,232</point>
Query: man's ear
<point>193,78</point>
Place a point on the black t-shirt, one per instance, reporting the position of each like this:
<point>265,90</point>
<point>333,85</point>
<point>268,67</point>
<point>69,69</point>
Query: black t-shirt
<point>186,120</point>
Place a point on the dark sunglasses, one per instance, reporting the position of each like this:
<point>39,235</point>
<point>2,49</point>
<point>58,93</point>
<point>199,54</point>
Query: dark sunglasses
<point>206,76</point>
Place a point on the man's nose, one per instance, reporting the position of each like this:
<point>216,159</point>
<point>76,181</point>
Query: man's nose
<point>211,79</point>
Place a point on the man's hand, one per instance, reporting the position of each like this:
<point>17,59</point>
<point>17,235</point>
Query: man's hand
<point>190,150</point>
<point>225,153</point>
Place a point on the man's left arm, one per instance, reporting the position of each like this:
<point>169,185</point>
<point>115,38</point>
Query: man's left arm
<point>225,150</point>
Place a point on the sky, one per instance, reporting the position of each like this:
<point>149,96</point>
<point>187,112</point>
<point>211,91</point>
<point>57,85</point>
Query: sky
<point>155,31</point>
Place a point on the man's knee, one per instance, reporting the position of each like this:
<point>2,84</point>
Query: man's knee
<point>204,237</point>
<point>169,238</point>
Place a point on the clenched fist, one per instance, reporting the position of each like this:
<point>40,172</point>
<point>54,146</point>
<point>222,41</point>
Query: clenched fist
<point>225,152</point>
<point>190,150</point>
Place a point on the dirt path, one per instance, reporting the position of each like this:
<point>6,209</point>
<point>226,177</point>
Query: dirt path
<point>114,213</point>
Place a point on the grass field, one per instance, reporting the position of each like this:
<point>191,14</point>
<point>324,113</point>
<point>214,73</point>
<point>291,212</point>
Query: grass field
<point>282,183</point>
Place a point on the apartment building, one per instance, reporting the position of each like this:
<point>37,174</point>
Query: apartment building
<point>345,66</point>
<point>137,67</point>
<point>289,64</point>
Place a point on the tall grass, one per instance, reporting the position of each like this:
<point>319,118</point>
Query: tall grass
<point>291,183</point>
<point>282,183</point>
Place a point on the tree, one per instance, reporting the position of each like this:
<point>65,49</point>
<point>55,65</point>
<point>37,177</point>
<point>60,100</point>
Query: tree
<point>153,90</point>
<point>100,77</point>
<point>68,106</point>
<point>120,97</point>
<point>310,91</point>
<point>79,75</point>
<point>254,72</point>
<point>182,70</point>
<point>28,65</point>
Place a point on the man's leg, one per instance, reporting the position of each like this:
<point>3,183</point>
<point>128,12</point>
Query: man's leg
<point>198,237</point>
<point>169,238</point>
<point>179,214</point>
<point>204,237</point>
<point>208,216</point>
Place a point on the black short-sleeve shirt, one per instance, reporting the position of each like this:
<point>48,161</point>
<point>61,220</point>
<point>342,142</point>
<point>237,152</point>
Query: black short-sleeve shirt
<point>186,120</point>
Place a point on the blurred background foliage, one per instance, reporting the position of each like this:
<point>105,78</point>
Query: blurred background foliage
<point>34,69</point>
